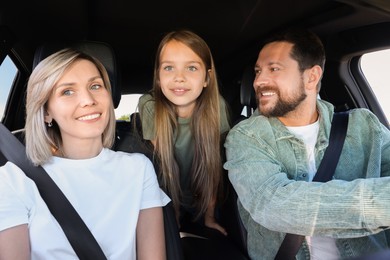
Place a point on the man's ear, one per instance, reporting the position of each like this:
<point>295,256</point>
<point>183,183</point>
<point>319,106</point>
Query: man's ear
<point>313,76</point>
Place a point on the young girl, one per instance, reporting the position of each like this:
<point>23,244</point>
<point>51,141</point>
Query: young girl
<point>184,117</point>
<point>70,125</point>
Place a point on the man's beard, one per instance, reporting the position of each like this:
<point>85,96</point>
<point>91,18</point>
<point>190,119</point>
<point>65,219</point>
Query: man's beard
<point>283,105</point>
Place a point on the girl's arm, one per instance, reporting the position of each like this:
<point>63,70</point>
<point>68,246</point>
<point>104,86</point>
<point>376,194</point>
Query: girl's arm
<point>209,218</point>
<point>150,234</point>
<point>14,243</point>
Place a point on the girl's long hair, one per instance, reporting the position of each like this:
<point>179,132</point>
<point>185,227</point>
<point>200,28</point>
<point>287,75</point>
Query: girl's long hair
<point>205,128</point>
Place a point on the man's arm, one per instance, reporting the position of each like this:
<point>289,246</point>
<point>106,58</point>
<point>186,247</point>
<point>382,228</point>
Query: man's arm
<point>337,208</point>
<point>385,164</point>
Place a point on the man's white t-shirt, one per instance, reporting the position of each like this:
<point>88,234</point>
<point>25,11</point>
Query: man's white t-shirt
<point>107,191</point>
<point>320,247</point>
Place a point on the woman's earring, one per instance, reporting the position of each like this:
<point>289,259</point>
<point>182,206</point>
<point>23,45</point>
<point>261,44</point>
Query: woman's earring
<point>50,124</point>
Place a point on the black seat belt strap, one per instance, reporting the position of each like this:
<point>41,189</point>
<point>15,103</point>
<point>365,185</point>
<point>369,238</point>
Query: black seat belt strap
<point>331,157</point>
<point>292,242</point>
<point>78,234</point>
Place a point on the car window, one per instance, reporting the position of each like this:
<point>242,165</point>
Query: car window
<point>127,106</point>
<point>375,67</point>
<point>7,75</point>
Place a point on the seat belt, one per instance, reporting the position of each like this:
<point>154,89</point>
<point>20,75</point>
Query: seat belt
<point>292,242</point>
<point>78,234</point>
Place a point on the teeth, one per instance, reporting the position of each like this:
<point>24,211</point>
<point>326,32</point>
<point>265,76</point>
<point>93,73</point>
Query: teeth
<point>268,93</point>
<point>89,117</point>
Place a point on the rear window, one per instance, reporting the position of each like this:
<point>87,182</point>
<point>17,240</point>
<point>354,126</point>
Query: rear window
<point>7,75</point>
<point>127,106</point>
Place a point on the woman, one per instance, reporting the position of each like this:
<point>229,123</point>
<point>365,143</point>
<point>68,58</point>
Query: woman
<point>70,125</point>
<point>184,117</point>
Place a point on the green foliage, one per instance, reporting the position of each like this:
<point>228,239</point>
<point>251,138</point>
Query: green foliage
<point>124,117</point>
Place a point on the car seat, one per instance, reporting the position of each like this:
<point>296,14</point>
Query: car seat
<point>247,92</point>
<point>229,211</point>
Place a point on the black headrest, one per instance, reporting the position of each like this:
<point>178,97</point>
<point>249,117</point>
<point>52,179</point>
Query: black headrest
<point>101,51</point>
<point>247,93</point>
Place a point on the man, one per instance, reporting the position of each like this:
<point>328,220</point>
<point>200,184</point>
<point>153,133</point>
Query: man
<point>272,158</point>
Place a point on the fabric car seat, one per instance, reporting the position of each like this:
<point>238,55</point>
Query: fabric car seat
<point>247,92</point>
<point>231,218</point>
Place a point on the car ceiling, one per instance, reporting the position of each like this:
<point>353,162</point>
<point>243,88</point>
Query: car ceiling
<point>233,29</point>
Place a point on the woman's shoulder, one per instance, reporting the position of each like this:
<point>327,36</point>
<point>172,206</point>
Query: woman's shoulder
<point>130,166</point>
<point>10,169</point>
<point>127,155</point>
<point>133,158</point>
<point>12,176</point>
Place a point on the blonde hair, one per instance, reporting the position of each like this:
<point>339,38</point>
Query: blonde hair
<point>41,140</point>
<point>205,127</point>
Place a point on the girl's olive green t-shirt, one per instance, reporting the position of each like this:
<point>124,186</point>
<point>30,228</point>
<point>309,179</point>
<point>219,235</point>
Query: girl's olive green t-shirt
<point>184,142</point>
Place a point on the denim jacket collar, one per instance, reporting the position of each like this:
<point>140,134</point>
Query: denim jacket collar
<point>325,111</point>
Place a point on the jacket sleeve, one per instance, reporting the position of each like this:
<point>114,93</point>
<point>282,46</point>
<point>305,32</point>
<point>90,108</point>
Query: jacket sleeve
<point>341,209</point>
<point>385,162</point>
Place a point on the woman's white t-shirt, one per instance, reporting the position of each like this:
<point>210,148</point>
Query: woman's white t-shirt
<point>107,191</point>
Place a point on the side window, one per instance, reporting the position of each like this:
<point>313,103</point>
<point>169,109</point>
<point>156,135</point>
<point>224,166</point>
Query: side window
<point>375,67</point>
<point>127,106</point>
<point>7,75</point>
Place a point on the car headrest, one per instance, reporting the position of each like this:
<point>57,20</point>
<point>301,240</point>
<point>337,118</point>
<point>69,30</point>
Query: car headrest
<point>99,50</point>
<point>247,92</point>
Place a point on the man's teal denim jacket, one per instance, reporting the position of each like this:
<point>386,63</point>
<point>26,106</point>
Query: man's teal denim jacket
<point>268,168</point>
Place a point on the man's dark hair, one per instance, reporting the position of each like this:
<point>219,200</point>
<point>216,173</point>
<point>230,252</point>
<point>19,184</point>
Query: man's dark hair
<point>308,49</point>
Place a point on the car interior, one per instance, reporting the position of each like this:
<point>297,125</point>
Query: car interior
<point>124,36</point>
